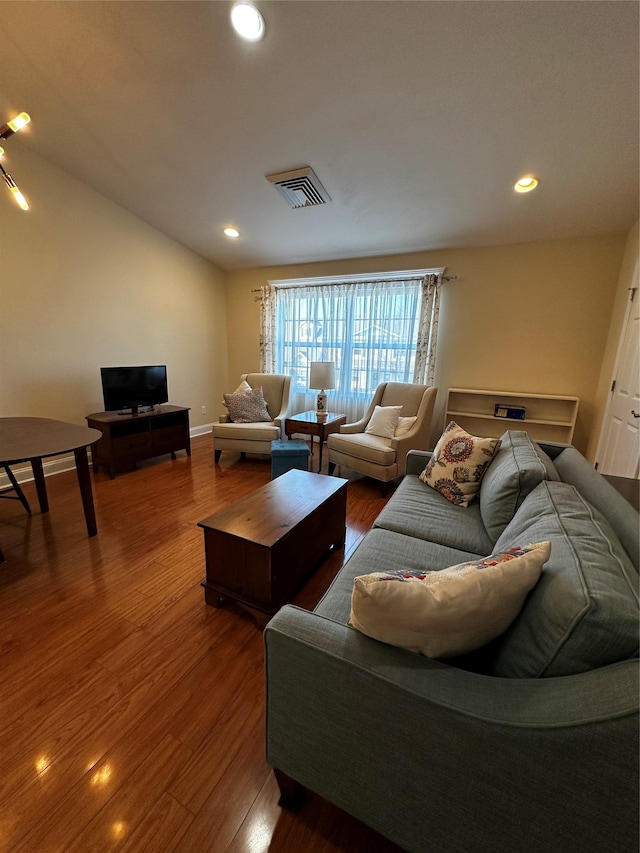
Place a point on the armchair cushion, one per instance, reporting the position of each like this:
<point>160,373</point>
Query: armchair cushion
<point>262,432</point>
<point>384,421</point>
<point>362,445</point>
<point>247,407</point>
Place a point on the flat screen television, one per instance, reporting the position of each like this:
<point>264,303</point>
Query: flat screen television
<point>133,388</point>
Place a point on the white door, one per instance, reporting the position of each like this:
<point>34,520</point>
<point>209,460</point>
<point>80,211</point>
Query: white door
<point>619,451</point>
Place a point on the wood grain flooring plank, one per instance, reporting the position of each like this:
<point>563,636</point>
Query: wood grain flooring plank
<point>121,687</point>
<point>216,754</point>
<point>161,829</point>
<point>223,812</point>
<point>132,802</point>
<point>256,831</point>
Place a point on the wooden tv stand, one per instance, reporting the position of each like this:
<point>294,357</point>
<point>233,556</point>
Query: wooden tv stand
<point>127,439</point>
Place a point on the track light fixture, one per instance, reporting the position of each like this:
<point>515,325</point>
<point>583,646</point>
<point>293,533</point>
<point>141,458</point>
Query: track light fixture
<point>6,131</point>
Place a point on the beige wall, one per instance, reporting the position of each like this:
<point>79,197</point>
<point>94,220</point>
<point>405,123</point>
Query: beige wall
<point>85,284</point>
<point>616,328</point>
<point>532,317</point>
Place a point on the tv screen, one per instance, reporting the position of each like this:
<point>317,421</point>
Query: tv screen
<point>133,387</point>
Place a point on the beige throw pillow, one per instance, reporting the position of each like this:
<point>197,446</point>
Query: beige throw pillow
<point>247,407</point>
<point>458,464</point>
<point>449,612</point>
<point>383,421</point>
<point>404,425</point>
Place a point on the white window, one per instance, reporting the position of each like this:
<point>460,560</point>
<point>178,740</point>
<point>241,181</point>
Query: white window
<point>370,328</point>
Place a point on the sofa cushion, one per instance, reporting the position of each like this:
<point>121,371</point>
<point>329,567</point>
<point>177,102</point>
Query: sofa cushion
<point>416,510</point>
<point>247,407</point>
<point>583,613</point>
<point>573,468</point>
<point>447,612</point>
<point>376,552</point>
<point>383,421</point>
<point>517,469</point>
<point>458,464</point>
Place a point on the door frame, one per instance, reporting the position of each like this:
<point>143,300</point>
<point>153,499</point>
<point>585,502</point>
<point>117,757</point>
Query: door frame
<point>604,427</point>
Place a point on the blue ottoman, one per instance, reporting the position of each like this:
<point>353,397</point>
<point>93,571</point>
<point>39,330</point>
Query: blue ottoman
<point>286,455</point>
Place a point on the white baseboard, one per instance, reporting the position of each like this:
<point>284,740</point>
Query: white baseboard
<point>203,429</point>
<point>49,466</point>
<point>60,464</point>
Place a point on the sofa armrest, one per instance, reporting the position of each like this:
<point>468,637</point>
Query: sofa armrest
<point>417,461</point>
<point>400,741</point>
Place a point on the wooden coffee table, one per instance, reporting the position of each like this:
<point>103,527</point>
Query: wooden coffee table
<point>260,549</point>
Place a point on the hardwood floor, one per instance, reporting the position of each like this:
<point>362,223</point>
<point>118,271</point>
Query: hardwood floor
<point>131,713</point>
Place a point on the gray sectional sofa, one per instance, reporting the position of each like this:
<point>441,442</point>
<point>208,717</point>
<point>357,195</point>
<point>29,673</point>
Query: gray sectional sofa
<point>530,743</point>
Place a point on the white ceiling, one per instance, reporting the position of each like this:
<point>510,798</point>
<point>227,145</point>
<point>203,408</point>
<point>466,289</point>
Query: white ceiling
<point>417,116</point>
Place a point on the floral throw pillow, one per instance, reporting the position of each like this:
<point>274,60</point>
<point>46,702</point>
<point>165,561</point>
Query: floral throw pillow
<point>459,463</point>
<point>247,407</point>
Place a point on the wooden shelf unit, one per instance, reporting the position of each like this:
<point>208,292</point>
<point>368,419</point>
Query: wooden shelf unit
<point>127,439</point>
<point>548,417</point>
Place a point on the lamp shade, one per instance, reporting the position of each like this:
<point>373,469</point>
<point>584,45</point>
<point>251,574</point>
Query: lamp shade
<point>322,375</point>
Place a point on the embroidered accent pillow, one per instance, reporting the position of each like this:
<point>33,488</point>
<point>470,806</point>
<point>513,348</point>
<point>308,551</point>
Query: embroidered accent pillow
<point>404,425</point>
<point>458,464</point>
<point>449,612</point>
<point>383,421</point>
<point>247,407</point>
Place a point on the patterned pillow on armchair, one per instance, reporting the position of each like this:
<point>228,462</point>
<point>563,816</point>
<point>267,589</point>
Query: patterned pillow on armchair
<point>247,407</point>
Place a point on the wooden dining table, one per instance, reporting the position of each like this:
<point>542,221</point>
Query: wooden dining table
<point>34,439</point>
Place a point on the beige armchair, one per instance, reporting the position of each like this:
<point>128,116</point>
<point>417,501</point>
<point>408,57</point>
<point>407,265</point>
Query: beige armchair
<point>385,458</point>
<point>256,437</point>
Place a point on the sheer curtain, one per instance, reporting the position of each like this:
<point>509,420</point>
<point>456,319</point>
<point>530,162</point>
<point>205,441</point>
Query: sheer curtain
<point>371,330</point>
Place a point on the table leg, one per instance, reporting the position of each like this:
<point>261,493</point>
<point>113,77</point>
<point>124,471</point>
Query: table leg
<point>320,442</point>
<point>15,485</point>
<point>84,481</point>
<point>41,487</point>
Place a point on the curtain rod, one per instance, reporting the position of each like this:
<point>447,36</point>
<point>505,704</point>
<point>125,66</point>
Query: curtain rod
<point>375,281</point>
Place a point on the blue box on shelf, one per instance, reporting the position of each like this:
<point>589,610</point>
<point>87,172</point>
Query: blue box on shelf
<point>516,413</point>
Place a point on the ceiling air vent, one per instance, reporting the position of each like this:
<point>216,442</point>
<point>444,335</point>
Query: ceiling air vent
<point>300,187</point>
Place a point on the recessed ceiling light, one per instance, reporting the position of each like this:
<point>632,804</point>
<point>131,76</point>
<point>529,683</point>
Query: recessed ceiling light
<point>247,21</point>
<point>232,232</point>
<point>526,184</point>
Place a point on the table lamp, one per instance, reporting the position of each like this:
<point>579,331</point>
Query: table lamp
<point>321,377</point>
